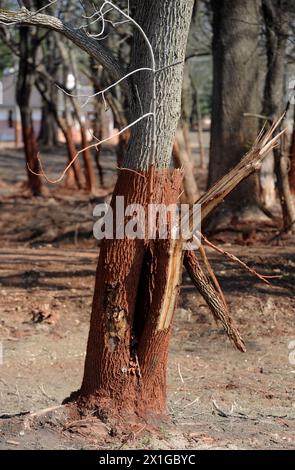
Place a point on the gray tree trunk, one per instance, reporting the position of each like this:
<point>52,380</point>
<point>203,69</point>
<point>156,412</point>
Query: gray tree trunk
<point>165,23</point>
<point>235,92</point>
<point>278,17</point>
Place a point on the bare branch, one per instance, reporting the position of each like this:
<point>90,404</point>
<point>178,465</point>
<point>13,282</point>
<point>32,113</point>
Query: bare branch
<point>212,298</point>
<point>248,165</point>
<point>91,146</point>
<point>79,37</point>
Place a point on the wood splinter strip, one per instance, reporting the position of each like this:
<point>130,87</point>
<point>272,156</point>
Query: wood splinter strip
<point>213,299</point>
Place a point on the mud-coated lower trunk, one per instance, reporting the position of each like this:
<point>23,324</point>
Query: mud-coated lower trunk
<point>134,301</point>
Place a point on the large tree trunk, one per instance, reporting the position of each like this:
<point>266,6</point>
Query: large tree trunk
<point>23,94</point>
<point>137,281</point>
<point>235,92</point>
<point>277,19</point>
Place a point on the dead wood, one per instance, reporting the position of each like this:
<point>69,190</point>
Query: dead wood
<point>209,201</point>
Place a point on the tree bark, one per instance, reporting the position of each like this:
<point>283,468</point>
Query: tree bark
<point>23,94</point>
<point>90,176</point>
<point>292,159</point>
<point>235,92</point>
<point>200,130</point>
<point>48,130</point>
<point>137,281</point>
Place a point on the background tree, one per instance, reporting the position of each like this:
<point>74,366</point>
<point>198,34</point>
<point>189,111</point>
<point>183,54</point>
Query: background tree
<point>29,42</point>
<point>278,16</point>
<point>235,92</point>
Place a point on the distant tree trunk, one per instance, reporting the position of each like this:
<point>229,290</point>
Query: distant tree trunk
<point>23,93</point>
<point>72,152</point>
<point>65,128</point>
<point>186,109</point>
<point>292,159</point>
<point>97,154</point>
<point>48,129</point>
<point>200,130</point>
<point>277,19</point>
<point>87,156</point>
<point>90,176</point>
<point>137,281</point>
<point>182,160</point>
<point>235,92</point>
<point>182,152</point>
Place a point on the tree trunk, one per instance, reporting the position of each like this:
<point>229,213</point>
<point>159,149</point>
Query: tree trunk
<point>67,133</point>
<point>277,20</point>
<point>183,160</point>
<point>97,154</point>
<point>200,131</point>
<point>87,157</point>
<point>72,152</point>
<point>23,94</point>
<point>137,281</point>
<point>48,130</point>
<point>235,92</point>
<point>292,159</point>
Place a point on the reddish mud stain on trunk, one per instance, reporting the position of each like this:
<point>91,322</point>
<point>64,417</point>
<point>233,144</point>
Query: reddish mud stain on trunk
<point>125,367</point>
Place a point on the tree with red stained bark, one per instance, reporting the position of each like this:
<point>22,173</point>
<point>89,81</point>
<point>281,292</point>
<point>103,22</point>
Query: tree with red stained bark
<point>134,299</point>
<point>137,281</point>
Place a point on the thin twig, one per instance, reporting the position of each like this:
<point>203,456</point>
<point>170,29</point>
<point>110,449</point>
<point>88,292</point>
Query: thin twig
<point>234,258</point>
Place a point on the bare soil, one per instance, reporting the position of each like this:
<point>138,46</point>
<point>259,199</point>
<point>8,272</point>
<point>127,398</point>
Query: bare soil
<point>217,396</point>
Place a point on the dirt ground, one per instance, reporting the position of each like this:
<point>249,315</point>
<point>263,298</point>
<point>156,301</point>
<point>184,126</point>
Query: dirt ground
<point>218,398</point>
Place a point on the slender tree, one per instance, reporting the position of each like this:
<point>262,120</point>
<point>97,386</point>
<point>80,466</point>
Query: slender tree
<point>278,15</point>
<point>28,45</point>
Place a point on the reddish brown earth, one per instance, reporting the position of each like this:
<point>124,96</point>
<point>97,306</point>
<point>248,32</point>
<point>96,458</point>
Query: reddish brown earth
<point>217,396</point>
